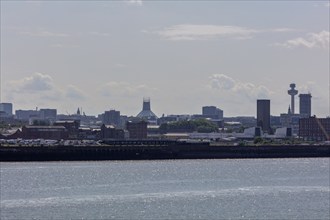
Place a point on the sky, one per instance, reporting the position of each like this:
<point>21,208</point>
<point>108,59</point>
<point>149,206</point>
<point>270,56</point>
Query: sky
<point>102,55</point>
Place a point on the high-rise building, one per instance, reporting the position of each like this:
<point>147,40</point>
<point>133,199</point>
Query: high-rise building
<point>7,108</point>
<point>111,117</point>
<point>263,115</point>
<point>305,104</point>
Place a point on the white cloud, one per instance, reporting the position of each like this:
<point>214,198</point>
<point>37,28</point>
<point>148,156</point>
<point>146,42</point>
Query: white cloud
<point>204,32</point>
<point>312,40</point>
<point>74,93</point>
<point>249,90</point>
<point>38,82</point>
<point>135,2</point>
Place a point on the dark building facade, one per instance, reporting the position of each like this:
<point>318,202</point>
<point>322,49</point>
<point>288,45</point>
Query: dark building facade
<point>110,132</point>
<point>263,115</point>
<point>71,126</point>
<point>111,117</point>
<point>314,129</point>
<point>305,105</point>
<point>44,132</point>
<point>137,130</point>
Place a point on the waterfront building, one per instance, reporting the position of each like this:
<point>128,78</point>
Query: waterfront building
<point>44,132</point>
<point>263,115</point>
<point>305,104</point>
<point>314,129</point>
<point>7,108</point>
<point>137,130</point>
<point>71,126</point>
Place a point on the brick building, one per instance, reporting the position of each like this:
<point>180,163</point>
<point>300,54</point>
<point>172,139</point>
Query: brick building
<point>314,129</point>
<point>137,130</point>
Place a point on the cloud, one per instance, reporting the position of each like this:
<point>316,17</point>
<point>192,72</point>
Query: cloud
<point>205,32</point>
<point>312,40</point>
<point>42,33</point>
<point>249,90</point>
<point>125,89</point>
<point>135,2</point>
<point>74,93</point>
<point>38,82</point>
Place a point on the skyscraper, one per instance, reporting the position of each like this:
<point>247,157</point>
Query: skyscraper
<point>263,114</point>
<point>305,104</point>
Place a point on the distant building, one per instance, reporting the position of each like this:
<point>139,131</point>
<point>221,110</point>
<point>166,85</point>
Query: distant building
<point>48,114</point>
<point>110,132</point>
<point>263,115</point>
<point>71,126</point>
<point>290,121</point>
<point>27,115</point>
<point>305,104</point>
<point>137,130</point>
<point>314,129</point>
<point>111,117</point>
<point>212,112</point>
<point>146,112</point>
<point>7,108</point>
<point>44,132</point>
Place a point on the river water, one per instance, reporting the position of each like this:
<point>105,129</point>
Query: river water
<point>167,189</point>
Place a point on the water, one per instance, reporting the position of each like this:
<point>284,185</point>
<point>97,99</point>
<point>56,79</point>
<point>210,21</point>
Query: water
<point>169,189</point>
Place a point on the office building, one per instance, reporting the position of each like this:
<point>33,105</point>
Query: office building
<point>263,115</point>
<point>305,105</point>
<point>111,117</point>
<point>48,114</point>
<point>212,112</point>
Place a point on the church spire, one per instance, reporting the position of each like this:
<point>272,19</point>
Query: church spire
<point>289,110</point>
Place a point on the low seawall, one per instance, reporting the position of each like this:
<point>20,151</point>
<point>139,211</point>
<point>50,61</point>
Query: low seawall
<point>75,153</point>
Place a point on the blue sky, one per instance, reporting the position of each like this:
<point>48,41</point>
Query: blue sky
<point>103,55</point>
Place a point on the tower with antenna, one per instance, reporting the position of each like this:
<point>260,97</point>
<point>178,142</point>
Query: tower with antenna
<point>292,92</point>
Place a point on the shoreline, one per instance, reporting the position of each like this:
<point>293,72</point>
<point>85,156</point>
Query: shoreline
<point>177,151</point>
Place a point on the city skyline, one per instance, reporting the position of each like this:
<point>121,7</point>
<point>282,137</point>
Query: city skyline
<point>183,55</point>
